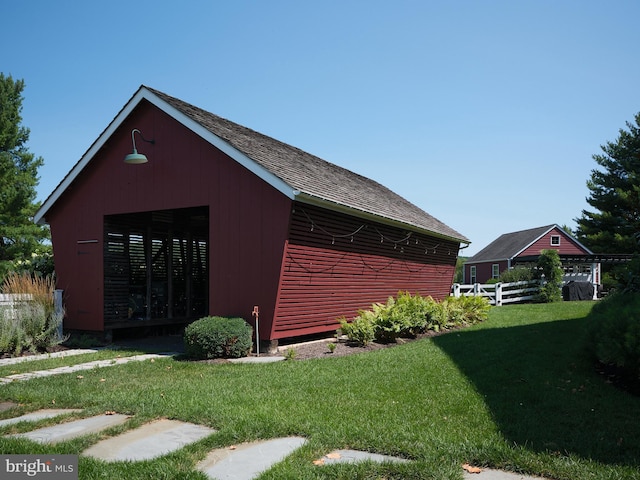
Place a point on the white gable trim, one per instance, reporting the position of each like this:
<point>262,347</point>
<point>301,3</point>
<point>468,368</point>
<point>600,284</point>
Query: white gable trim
<point>533,241</point>
<point>562,232</point>
<point>144,94</point>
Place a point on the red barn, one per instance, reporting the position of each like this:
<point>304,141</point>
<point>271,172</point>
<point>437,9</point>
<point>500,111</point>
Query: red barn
<point>221,219</point>
<point>524,247</point>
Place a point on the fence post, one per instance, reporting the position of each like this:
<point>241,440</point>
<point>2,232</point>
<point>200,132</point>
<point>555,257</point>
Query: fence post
<point>456,290</point>
<point>498,301</point>
<point>476,289</point>
<point>58,309</point>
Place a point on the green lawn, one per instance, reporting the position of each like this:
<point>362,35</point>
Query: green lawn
<point>516,392</point>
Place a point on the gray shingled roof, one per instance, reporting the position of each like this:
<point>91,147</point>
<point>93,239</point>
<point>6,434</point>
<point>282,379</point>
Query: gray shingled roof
<point>509,244</point>
<point>312,175</point>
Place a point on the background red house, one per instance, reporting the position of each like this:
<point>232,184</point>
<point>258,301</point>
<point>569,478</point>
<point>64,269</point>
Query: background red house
<point>524,247</point>
<point>222,219</point>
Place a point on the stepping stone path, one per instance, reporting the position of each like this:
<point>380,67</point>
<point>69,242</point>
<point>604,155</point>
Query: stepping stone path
<point>79,367</point>
<point>243,462</point>
<point>31,358</point>
<point>148,441</point>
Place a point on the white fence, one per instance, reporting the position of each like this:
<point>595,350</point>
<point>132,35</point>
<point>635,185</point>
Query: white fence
<point>498,293</point>
<point>8,301</point>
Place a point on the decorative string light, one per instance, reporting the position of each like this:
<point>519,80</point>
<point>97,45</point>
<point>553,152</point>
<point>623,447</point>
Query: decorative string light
<point>405,240</point>
<point>395,242</point>
<point>333,235</point>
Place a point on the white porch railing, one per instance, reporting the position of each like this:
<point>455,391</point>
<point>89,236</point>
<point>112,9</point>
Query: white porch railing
<point>498,293</point>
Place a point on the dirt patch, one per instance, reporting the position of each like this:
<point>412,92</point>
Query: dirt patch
<point>320,348</point>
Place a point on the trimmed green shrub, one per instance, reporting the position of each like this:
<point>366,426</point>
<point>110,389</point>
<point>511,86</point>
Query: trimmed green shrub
<point>218,337</point>
<point>615,338</point>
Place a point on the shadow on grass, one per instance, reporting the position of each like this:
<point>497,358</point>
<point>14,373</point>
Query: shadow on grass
<point>544,393</point>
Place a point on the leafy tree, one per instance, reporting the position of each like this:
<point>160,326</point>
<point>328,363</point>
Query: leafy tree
<point>550,268</point>
<point>459,272</point>
<point>19,236</point>
<point>615,195</point>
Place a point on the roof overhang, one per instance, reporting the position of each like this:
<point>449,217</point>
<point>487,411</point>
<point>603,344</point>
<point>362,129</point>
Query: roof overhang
<point>144,94</point>
<point>307,198</point>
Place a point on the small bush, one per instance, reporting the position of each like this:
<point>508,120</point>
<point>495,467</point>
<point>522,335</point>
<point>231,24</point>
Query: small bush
<point>408,316</point>
<point>615,338</point>
<point>218,337</point>
<point>361,329</point>
<point>471,310</point>
<point>517,274</point>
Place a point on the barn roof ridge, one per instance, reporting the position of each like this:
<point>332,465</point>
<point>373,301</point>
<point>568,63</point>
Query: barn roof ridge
<point>300,175</point>
<point>510,245</point>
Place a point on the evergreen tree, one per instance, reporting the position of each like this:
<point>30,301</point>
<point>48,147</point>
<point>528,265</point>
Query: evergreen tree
<point>19,236</point>
<point>614,225</point>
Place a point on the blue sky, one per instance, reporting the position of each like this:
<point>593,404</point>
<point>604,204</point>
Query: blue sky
<point>485,114</point>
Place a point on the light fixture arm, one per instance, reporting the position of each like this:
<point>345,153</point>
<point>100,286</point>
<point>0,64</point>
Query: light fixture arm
<point>135,157</point>
<point>133,139</point>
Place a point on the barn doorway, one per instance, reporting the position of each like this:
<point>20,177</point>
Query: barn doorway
<point>156,267</point>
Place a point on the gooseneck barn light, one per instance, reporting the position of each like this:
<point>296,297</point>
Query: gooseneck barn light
<point>135,157</point>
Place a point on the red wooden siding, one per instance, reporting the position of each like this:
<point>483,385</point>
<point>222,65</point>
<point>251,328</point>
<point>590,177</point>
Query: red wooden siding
<point>335,265</point>
<point>484,271</point>
<point>247,229</point>
<point>567,245</point>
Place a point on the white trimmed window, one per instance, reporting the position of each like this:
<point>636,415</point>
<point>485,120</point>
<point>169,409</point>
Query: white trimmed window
<point>472,274</point>
<point>495,270</point>
<point>555,240</point>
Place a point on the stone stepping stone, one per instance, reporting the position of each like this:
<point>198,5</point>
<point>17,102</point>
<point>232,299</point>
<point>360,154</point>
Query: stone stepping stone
<point>149,441</point>
<point>38,415</point>
<point>353,456</point>
<point>489,474</point>
<point>6,406</point>
<point>268,359</point>
<point>248,460</point>
<point>69,430</point>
